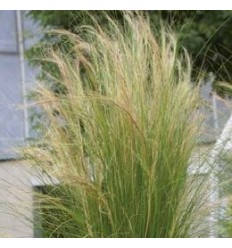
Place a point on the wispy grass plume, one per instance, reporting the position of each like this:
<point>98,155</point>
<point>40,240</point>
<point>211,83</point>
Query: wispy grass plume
<point>120,138</point>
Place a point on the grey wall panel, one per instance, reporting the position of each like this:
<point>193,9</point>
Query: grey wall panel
<point>11,113</point>
<point>8,32</point>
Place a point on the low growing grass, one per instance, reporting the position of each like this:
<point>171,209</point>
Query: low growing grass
<point>119,140</point>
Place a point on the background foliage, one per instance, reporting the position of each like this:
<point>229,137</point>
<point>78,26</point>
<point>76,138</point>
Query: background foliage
<point>205,34</point>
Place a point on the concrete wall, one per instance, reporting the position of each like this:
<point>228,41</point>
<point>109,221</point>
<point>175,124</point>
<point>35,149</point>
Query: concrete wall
<point>16,199</point>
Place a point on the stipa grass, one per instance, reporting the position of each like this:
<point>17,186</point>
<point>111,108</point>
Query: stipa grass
<point>120,138</point>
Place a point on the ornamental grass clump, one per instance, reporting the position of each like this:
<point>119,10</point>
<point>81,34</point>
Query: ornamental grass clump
<point>120,136</point>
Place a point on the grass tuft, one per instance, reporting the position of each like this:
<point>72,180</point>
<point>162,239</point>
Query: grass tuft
<point>120,139</point>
